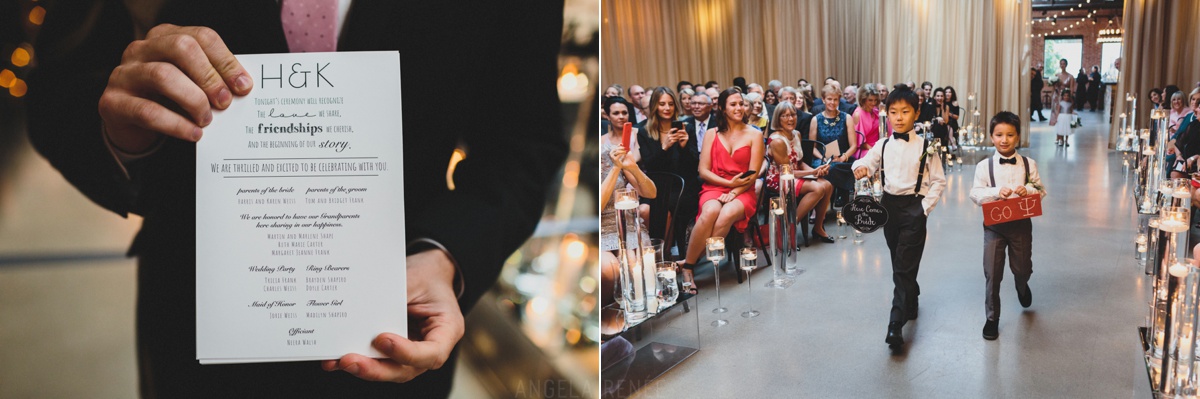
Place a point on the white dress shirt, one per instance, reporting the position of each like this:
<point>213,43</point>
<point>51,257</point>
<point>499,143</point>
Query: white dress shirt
<point>1009,176</point>
<point>902,166</point>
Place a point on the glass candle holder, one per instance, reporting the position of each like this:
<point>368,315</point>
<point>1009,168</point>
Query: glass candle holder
<point>749,260</point>
<point>625,199</point>
<point>715,248</point>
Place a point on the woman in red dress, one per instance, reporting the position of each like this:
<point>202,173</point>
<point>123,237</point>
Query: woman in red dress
<point>727,198</point>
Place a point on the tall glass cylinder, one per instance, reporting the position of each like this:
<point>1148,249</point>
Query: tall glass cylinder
<point>1182,376</point>
<point>633,284</point>
<point>779,277</point>
<point>787,186</point>
<point>1175,221</point>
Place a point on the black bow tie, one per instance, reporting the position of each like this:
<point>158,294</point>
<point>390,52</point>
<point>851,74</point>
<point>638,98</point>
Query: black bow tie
<point>1010,161</point>
<point>900,136</point>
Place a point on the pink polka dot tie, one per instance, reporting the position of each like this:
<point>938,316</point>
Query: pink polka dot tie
<point>310,25</point>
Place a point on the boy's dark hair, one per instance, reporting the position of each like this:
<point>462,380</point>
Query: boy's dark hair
<point>1005,118</point>
<point>901,92</point>
<point>608,103</point>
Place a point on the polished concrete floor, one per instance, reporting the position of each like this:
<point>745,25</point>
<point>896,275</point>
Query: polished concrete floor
<point>823,337</point>
<point>67,293</point>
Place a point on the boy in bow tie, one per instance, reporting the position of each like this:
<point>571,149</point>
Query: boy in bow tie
<point>998,177</point>
<point>913,181</point>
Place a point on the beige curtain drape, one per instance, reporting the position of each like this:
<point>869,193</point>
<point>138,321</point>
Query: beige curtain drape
<point>1161,47</point>
<point>975,46</point>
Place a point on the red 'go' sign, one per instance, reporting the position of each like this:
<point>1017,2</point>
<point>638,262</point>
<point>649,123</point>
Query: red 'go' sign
<point>1012,209</point>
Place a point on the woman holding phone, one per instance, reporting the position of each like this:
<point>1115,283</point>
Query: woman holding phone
<point>727,198</point>
<point>666,146</point>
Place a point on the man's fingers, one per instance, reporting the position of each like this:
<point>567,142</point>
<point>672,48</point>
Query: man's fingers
<point>185,53</point>
<point>149,115</point>
<point>163,79</point>
<point>377,370</point>
<point>430,353</point>
<point>219,56</point>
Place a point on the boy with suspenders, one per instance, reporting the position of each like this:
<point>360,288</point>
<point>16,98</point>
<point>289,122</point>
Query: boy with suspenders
<point>998,177</point>
<point>913,181</point>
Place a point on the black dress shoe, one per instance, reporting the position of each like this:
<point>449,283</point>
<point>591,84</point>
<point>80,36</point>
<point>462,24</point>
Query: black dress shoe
<point>1025,296</point>
<point>821,238</point>
<point>991,330</point>
<point>895,337</point>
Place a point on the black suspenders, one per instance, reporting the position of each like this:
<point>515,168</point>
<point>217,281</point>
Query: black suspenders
<point>992,169</point>
<point>920,170</point>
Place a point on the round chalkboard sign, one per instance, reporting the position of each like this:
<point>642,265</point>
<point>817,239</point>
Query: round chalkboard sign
<point>865,214</point>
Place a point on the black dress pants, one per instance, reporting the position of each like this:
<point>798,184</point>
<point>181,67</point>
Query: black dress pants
<point>905,235</point>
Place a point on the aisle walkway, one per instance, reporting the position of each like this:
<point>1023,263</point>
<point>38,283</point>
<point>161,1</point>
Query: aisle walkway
<point>823,337</point>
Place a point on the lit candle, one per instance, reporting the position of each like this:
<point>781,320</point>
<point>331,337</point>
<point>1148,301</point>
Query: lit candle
<point>777,206</point>
<point>1141,239</point>
<point>1173,225</point>
<point>1153,223</point>
<point>1178,270</point>
<point>877,187</point>
<point>626,199</point>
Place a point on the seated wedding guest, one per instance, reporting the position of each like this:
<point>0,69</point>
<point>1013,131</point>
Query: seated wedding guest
<point>774,85</point>
<point>833,126</point>
<point>636,96</point>
<point>712,84</point>
<point>849,99</point>
<point>700,119</point>
<point>115,131</point>
<point>618,170</point>
<point>754,88</point>
<point>770,98</point>
<point>1178,111</point>
<point>739,83</point>
<point>783,149</point>
<point>685,103</point>
<point>730,151</point>
<point>683,85</point>
<point>791,95</point>
<point>882,89</point>
<point>668,149</point>
<point>614,90</point>
<point>1187,142</point>
<point>758,113</point>
<point>955,111</point>
<point>927,111</point>
<point>712,93</point>
<point>941,117</point>
<point>866,118</point>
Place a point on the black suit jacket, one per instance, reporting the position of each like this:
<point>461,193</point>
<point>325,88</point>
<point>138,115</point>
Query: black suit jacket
<point>500,185</point>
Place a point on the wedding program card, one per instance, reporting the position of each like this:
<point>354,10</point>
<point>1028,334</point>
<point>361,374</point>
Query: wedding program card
<point>300,212</point>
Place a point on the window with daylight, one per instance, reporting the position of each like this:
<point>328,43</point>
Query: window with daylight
<point>1070,48</point>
